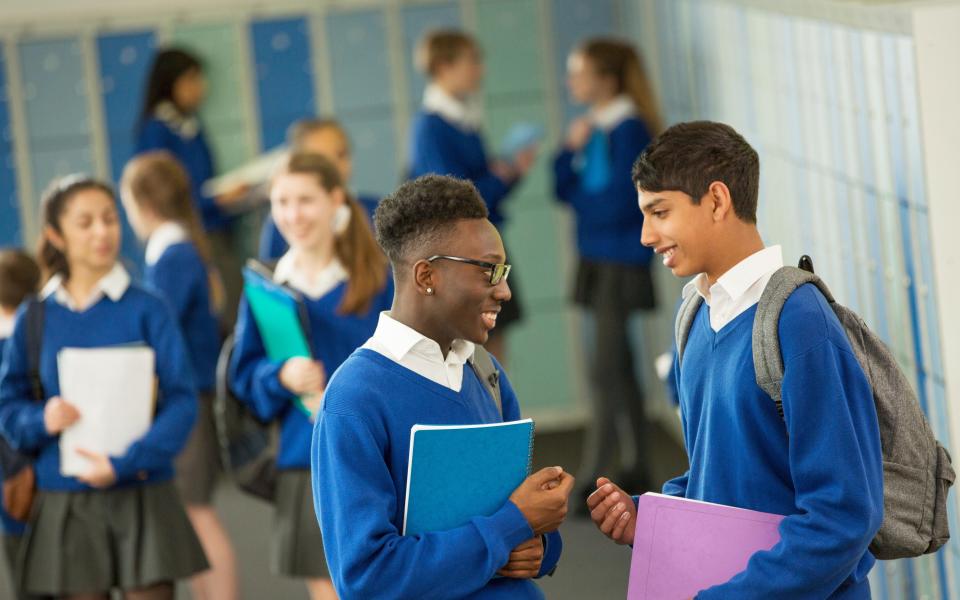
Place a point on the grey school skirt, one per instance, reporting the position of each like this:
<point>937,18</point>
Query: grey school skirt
<point>95,541</point>
<point>297,548</point>
<point>198,465</point>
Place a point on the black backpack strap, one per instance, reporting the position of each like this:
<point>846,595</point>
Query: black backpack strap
<point>483,366</point>
<point>33,319</point>
<point>767,359</point>
<point>685,317</point>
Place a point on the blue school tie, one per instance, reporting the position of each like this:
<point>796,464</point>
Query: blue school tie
<point>595,172</point>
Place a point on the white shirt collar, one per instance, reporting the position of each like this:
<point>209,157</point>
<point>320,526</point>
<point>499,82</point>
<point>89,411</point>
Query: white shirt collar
<point>163,237</point>
<point>186,126</point>
<point>112,285</point>
<point>467,115</point>
<point>739,288</point>
<point>613,113</point>
<point>6,326</point>
<point>321,283</point>
<point>422,355</point>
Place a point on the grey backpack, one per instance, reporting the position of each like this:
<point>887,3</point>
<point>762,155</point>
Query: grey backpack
<point>917,470</point>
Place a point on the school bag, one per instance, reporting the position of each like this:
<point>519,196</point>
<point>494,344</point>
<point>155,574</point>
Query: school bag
<point>487,372</point>
<point>917,469</point>
<point>19,479</point>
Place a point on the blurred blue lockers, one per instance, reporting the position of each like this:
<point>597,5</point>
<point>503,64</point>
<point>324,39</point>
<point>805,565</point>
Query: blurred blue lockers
<point>10,229</point>
<point>284,73</point>
<point>418,20</point>
<point>573,22</point>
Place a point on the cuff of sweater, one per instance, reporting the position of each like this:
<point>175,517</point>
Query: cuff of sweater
<point>552,548</point>
<point>36,431</point>
<point>504,530</point>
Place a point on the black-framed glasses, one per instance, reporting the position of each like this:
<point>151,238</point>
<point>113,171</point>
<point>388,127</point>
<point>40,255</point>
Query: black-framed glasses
<point>498,271</point>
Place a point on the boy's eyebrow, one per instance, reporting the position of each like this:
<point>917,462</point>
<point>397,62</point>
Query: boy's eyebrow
<point>494,257</point>
<point>650,205</point>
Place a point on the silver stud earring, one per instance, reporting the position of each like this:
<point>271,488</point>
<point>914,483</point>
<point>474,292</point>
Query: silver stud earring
<point>429,291</point>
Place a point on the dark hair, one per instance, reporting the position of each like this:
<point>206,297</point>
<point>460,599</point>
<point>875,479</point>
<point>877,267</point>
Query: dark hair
<point>300,129</point>
<point>688,157</point>
<point>19,277</point>
<point>617,59</point>
<point>157,180</point>
<point>168,66</point>
<point>52,206</point>
<point>419,213</point>
<point>355,247</point>
<point>442,47</point>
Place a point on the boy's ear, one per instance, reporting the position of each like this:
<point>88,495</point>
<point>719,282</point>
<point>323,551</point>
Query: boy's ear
<point>722,203</point>
<point>424,277</point>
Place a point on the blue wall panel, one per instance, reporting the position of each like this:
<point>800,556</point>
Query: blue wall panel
<point>55,94</point>
<point>573,22</point>
<point>418,20</point>
<point>9,202</point>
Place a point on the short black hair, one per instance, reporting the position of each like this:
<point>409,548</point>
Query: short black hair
<point>688,157</point>
<point>420,212</point>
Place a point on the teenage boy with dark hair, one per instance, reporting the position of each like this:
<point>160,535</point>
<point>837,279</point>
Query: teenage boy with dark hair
<point>450,275</point>
<point>820,464</point>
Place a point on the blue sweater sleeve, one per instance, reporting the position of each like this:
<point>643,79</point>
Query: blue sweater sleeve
<point>21,417</point>
<point>368,557</point>
<point>829,412</point>
<point>254,378</point>
<point>618,201</point>
<point>175,279</point>
<point>437,154</point>
<point>552,542</point>
<point>176,400</point>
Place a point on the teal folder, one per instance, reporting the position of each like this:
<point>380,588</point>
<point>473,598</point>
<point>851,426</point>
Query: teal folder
<point>457,473</point>
<point>280,316</point>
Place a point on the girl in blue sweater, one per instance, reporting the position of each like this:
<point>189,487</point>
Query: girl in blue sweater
<point>156,195</point>
<point>445,138</point>
<point>328,138</point>
<point>335,265</point>
<point>613,282</point>
<point>819,463</point>
<point>176,89</point>
<point>451,280</point>
<point>120,525</point>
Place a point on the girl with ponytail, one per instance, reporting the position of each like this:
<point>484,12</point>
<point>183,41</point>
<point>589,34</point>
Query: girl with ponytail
<point>613,282</point>
<point>156,195</point>
<point>334,263</point>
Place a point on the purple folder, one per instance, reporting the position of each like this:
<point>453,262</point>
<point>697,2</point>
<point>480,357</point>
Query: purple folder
<point>684,546</point>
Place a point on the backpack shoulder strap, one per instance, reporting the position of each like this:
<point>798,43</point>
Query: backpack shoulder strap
<point>33,318</point>
<point>685,317</point>
<point>767,359</point>
<point>483,366</point>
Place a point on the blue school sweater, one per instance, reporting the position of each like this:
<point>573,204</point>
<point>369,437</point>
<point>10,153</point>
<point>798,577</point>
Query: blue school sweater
<point>360,456</point>
<point>255,379</point>
<point>8,525</point>
<point>442,148</point>
<point>609,221</point>
<point>194,154</point>
<point>821,466</point>
<point>139,317</point>
<point>180,276</point>
<point>272,244</point>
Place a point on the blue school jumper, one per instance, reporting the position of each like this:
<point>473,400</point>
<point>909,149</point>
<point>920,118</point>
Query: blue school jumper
<point>360,456</point>
<point>820,466</point>
<point>8,525</point>
<point>440,147</point>
<point>255,379</point>
<point>596,183</point>
<point>138,317</point>
<point>194,155</point>
<point>272,244</point>
<point>180,276</point>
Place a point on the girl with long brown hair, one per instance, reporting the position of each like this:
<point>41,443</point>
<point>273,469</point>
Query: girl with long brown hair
<point>334,263</point>
<point>156,194</point>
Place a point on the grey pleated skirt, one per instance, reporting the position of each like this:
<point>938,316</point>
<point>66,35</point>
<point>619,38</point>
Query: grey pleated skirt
<point>198,465</point>
<point>95,541</point>
<point>297,548</point>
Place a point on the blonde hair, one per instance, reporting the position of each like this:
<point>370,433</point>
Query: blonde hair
<point>613,58</point>
<point>299,130</point>
<point>442,47</point>
<point>157,181</point>
<point>356,247</point>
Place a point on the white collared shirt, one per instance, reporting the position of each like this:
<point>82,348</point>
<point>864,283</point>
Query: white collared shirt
<point>413,350</point>
<point>611,115</point>
<point>6,326</point>
<point>112,285</point>
<point>466,115</point>
<point>315,286</point>
<point>163,237</point>
<point>186,126</point>
<point>739,288</point>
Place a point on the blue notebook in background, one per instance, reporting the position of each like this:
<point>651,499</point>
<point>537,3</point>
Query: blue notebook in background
<point>457,472</point>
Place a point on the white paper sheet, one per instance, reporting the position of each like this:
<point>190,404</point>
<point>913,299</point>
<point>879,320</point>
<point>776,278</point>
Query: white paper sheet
<point>113,388</point>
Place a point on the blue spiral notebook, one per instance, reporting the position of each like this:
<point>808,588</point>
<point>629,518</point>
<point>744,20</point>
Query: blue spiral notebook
<point>457,472</point>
